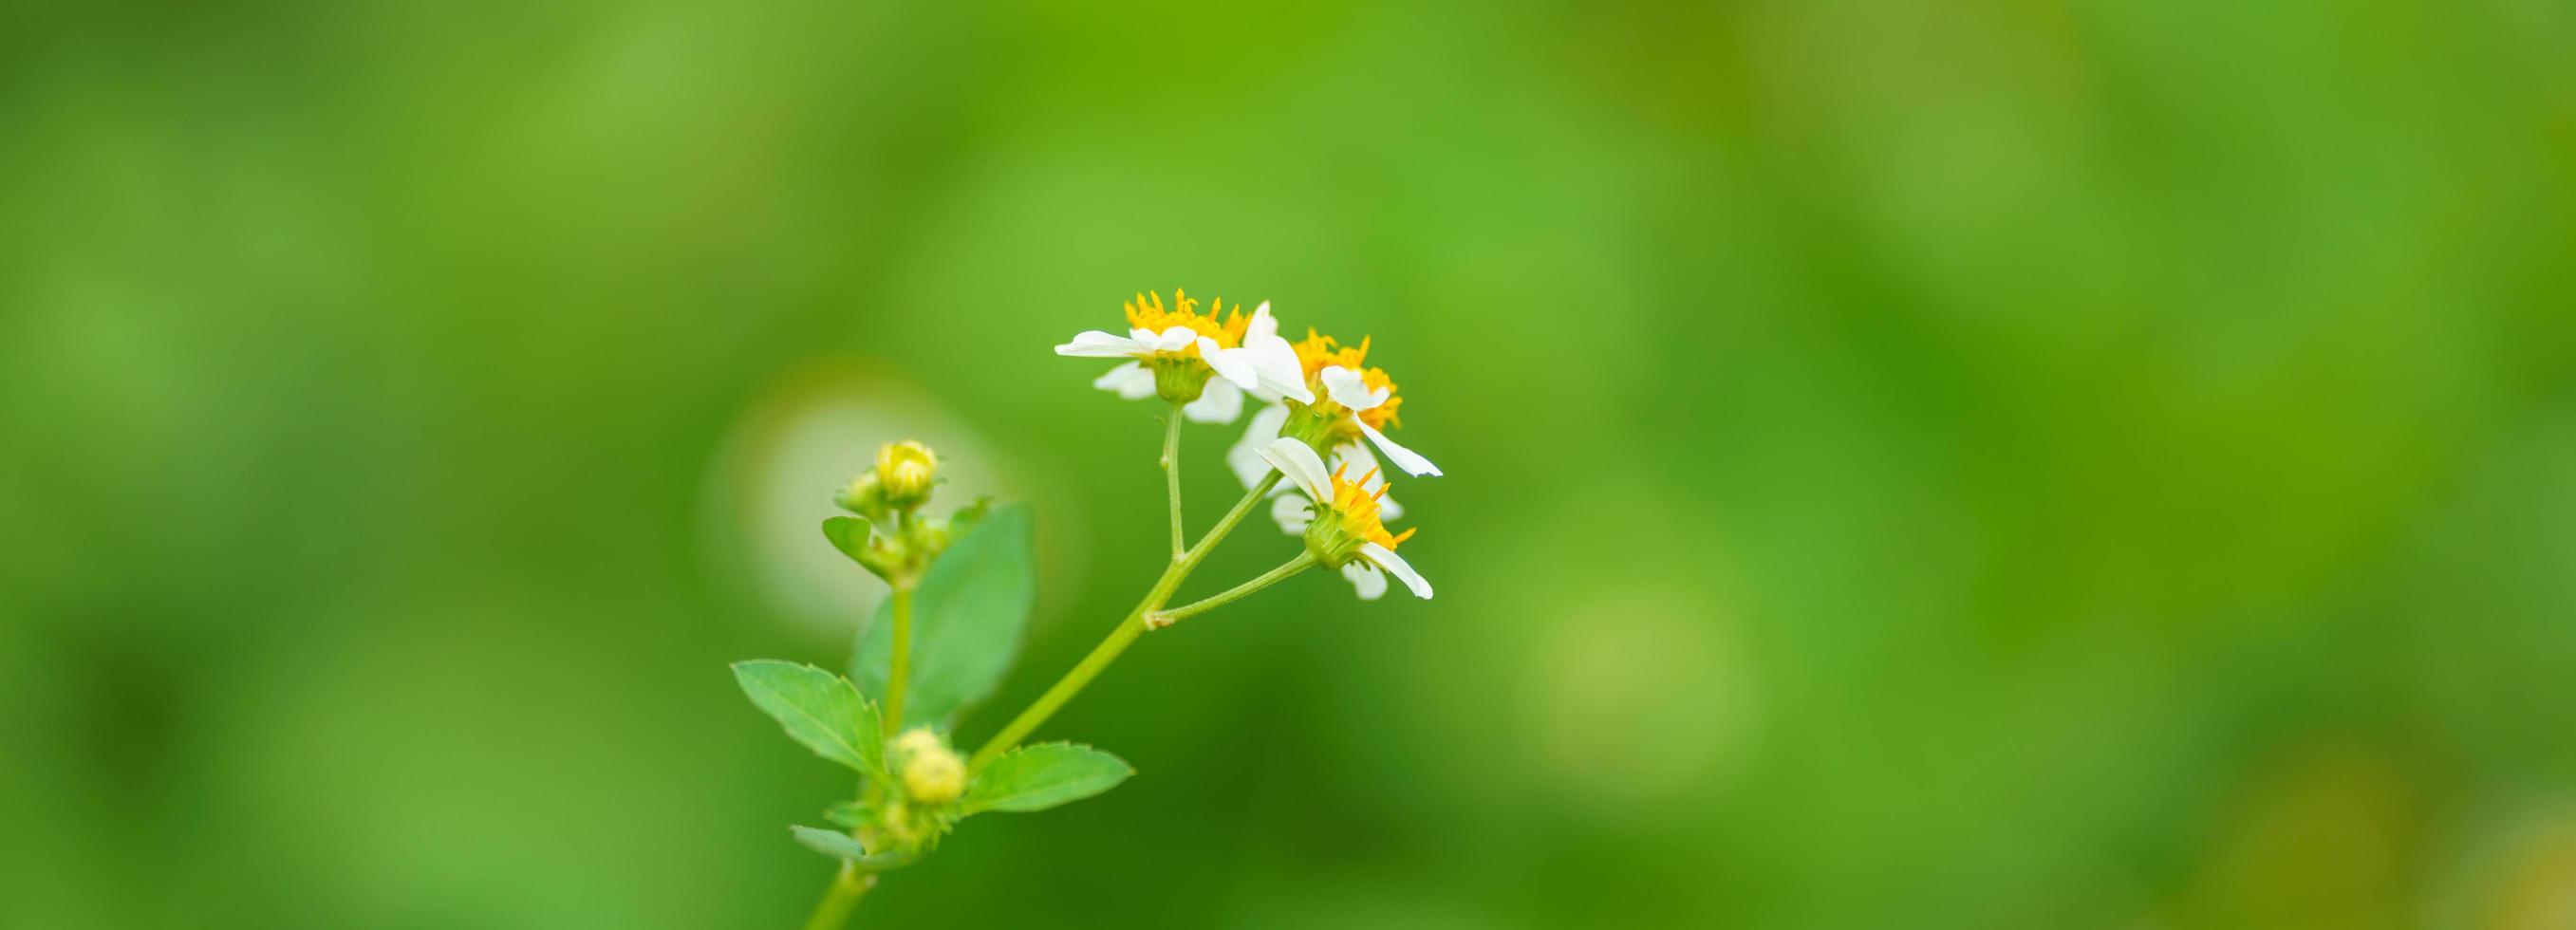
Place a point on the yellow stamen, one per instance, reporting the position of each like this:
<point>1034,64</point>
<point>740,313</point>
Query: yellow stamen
<point>1357,507</point>
<point>1317,352</point>
<point>1147,312</point>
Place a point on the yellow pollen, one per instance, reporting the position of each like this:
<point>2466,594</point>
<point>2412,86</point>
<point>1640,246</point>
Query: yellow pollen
<point>1358,508</point>
<point>1148,313</point>
<point>1317,352</point>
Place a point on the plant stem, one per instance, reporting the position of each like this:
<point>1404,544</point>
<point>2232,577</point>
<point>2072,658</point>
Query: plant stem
<point>1119,638</point>
<point>1172,476</point>
<point>1163,618</point>
<point>834,910</point>
<point>899,666</point>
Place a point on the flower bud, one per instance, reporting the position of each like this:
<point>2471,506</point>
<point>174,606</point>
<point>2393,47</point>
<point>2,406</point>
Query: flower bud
<point>906,471</point>
<point>932,773</point>
<point>864,496</point>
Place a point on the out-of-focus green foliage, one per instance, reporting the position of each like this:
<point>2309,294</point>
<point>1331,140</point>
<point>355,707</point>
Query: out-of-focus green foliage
<point>1995,464</point>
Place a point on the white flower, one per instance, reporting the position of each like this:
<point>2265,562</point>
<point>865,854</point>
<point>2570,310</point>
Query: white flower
<point>1247,354</point>
<point>1288,507</point>
<point>1353,538</point>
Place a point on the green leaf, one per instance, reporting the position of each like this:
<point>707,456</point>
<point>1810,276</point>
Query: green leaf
<point>842,846</point>
<point>1034,778</point>
<point>847,813</point>
<point>848,534</point>
<point>967,620</point>
<point>819,709</point>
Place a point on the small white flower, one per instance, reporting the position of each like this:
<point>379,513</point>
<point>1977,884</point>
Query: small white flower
<point>1350,534</point>
<point>1247,354</point>
<point>1288,506</point>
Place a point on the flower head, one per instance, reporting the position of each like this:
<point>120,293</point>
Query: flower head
<point>932,774</point>
<point>905,473</point>
<point>1175,349</point>
<point>1354,405</point>
<point>1347,531</point>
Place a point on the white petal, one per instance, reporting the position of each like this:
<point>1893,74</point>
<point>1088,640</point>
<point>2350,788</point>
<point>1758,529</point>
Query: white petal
<point>1300,464</point>
<point>1220,403</point>
<point>1097,344</point>
<point>1231,364</point>
<point>1412,462</point>
<point>1175,339</point>
<point>1290,510</point>
<point>1369,581</point>
<point>1262,324</point>
<point>1348,389</point>
<point>1395,565</point>
<point>1245,455</point>
<point>1275,369</point>
<point>1132,381</point>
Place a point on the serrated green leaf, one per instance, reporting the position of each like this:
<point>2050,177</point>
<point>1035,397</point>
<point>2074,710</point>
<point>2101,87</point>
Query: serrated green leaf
<point>967,620</point>
<point>1034,778</point>
<point>848,534</point>
<point>842,846</point>
<point>819,709</point>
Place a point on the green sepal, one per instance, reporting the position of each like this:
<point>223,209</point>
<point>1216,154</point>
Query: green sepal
<point>1034,778</point>
<point>819,709</point>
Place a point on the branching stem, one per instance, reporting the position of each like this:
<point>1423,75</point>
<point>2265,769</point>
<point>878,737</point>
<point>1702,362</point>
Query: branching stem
<point>1120,637</point>
<point>1163,618</point>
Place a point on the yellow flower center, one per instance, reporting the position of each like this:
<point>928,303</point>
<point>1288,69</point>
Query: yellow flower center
<point>1358,509</point>
<point>1317,352</point>
<point>1147,312</point>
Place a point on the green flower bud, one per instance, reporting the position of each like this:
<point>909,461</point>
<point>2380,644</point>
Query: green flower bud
<point>865,496</point>
<point>932,773</point>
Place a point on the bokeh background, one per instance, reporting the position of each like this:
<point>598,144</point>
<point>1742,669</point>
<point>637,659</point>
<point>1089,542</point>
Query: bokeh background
<point>1995,464</point>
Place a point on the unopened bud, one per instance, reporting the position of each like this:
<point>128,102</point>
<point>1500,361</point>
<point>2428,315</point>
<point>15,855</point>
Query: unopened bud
<point>907,470</point>
<point>932,773</point>
<point>864,496</point>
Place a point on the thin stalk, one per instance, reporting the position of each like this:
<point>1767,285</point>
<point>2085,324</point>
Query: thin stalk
<point>834,910</point>
<point>899,666</point>
<point>1163,618</point>
<point>1172,476</point>
<point>1120,637</point>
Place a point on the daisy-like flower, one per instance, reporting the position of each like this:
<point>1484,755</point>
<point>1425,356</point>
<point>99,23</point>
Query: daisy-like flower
<point>1175,349</point>
<point>1347,529</point>
<point>1356,407</point>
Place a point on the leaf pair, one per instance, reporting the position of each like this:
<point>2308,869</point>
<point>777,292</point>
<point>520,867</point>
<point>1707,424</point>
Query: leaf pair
<point>828,715</point>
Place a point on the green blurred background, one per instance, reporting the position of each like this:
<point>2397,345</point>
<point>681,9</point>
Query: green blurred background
<point>2005,464</point>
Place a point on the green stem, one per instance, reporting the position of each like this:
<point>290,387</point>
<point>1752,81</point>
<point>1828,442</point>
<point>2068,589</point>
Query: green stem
<point>1172,475</point>
<point>834,910</point>
<point>1120,637</point>
<point>899,666</point>
<point>1163,618</point>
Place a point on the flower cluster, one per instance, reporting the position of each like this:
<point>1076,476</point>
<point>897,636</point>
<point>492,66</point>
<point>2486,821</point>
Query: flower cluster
<point>1318,395</point>
<point>898,541</point>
